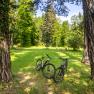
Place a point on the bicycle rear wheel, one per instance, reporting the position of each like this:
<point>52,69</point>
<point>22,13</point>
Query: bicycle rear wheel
<point>48,71</point>
<point>38,64</point>
<point>59,75</point>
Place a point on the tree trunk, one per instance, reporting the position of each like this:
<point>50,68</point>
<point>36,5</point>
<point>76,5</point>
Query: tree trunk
<point>85,58</point>
<point>5,65</point>
<point>89,31</point>
<point>5,72</point>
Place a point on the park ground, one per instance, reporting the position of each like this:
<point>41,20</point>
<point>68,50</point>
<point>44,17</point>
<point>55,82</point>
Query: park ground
<point>26,80</point>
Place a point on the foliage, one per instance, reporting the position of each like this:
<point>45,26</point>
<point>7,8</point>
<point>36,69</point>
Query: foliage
<point>75,36</point>
<point>64,33</point>
<point>74,41</point>
<point>58,5</point>
<point>28,30</point>
<point>4,22</point>
<point>26,24</point>
<point>57,33</point>
<point>47,27</point>
<point>39,23</point>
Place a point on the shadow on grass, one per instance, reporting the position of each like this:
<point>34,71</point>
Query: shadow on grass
<point>30,81</point>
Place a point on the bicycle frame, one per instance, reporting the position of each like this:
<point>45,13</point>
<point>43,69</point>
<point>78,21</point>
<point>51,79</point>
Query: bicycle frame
<point>44,62</point>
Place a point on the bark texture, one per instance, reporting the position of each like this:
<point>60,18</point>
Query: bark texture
<point>85,58</point>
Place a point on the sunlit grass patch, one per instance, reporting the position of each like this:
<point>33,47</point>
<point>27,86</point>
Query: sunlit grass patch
<point>76,80</point>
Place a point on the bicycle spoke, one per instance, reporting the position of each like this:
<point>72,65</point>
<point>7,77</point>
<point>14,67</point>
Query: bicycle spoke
<point>48,70</point>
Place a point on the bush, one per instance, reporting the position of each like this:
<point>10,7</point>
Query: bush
<point>74,41</point>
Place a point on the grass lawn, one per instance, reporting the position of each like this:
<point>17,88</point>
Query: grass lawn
<point>29,81</point>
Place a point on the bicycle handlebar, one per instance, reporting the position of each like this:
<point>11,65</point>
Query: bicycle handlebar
<point>48,56</point>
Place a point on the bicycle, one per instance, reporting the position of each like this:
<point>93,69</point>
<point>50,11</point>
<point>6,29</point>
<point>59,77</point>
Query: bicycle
<point>47,68</point>
<point>60,71</point>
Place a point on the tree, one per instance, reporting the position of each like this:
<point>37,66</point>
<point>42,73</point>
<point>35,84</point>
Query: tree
<point>5,63</point>
<point>88,8</point>
<point>26,24</point>
<point>57,27</point>
<point>76,32</point>
<point>47,27</point>
<point>39,22</point>
<point>64,33</point>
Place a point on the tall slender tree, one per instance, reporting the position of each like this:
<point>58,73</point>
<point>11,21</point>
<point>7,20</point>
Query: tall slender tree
<point>5,65</point>
<point>47,27</point>
<point>88,7</point>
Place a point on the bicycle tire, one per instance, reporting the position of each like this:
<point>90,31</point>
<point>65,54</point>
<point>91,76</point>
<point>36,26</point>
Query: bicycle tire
<point>59,76</point>
<point>48,71</point>
<point>38,64</point>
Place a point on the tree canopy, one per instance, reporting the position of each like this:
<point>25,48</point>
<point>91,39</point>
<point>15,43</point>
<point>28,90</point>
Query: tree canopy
<point>58,5</point>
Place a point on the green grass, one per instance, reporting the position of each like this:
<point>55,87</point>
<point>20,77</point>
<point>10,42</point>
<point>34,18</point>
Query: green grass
<point>30,81</point>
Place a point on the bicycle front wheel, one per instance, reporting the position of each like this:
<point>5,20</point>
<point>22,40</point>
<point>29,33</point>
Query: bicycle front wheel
<point>48,71</point>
